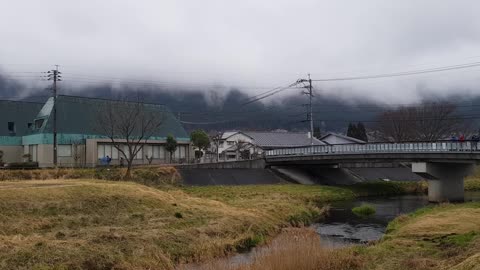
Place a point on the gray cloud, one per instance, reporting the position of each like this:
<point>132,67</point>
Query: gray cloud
<point>249,44</point>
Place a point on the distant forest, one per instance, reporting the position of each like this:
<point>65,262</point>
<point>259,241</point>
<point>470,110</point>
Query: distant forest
<point>213,111</point>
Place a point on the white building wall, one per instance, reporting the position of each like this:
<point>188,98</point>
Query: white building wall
<point>232,140</point>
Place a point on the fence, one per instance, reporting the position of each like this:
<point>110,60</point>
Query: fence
<point>372,148</point>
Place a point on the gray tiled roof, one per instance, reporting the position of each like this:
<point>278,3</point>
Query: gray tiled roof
<point>79,115</point>
<point>281,139</point>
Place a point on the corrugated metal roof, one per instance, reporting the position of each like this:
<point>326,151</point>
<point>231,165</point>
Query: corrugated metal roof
<point>281,139</point>
<point>79,115</point>
<point>19,112</point>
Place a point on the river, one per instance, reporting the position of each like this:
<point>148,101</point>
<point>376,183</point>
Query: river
<point>342,228</point>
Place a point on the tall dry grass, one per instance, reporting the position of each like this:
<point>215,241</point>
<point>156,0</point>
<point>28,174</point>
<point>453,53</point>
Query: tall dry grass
<point>296,248</point>
<point>149,175</point>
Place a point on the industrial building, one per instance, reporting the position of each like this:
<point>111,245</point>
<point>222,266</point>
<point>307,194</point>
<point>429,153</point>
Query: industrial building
<point>26,132</point>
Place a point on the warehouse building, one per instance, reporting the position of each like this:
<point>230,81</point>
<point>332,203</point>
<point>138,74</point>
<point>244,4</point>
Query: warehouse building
<point>27,133</point>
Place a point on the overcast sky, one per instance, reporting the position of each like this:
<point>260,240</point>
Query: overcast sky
<point>249,44</point>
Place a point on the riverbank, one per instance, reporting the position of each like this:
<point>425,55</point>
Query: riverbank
<point>102,224</point>
<point>441,237</point>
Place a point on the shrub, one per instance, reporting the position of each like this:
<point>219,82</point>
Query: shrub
<point>23,165</point>
<point>364,210</point>
<point>178,215</point>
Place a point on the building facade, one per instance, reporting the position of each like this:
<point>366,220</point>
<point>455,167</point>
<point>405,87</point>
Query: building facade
<point>236,145</point>
<point>80,142</point>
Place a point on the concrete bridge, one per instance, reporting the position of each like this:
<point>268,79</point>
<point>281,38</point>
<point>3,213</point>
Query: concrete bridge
<point>443,164</point>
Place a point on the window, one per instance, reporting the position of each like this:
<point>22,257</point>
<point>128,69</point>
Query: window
<point>100,151</point>
<point>125,150</point>
<point>139,154</point>
<point>64,150</point>
<point>11,127</point>
<point>158,151</point>
<point>148,150</point>
<point>182,151</point>
<point>104,150</point>
<point>230,143</point>
<point>39,123</point>
<point>161,152</point>
<point>114,153</point>
<point>108,150</point>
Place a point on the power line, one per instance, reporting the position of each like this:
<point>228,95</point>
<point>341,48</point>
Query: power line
<point>404,73</point>
<point>269,93</point>
<point>419,119</point>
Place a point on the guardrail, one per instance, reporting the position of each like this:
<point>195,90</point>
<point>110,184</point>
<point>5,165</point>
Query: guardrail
<point>371,148</point>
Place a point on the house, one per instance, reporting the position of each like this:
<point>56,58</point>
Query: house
<point>79,141</point>
<point>334,138</point>
<point>231,143</point>
<point>234,145</point>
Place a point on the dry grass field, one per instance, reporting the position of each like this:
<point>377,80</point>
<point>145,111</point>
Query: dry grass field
<point>101,224</point>
<point>93,224</point>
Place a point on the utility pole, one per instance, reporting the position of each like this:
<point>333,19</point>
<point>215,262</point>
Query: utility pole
<point>217,141</point>
<point>310,95</point>
<point>310,106</point>
<point>54,75</point>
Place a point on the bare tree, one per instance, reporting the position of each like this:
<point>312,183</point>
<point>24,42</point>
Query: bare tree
<point>242,150</point>
<point>427,122</point>
<point>129,125</point>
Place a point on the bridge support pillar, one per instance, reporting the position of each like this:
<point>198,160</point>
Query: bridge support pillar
<point>445,180</point>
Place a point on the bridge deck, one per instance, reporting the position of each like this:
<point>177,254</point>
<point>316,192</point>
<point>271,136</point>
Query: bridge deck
<point>439,151</point>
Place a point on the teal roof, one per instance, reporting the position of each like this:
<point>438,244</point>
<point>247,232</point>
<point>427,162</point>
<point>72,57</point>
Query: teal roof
<point>79,115</point>
<point>19,112</point>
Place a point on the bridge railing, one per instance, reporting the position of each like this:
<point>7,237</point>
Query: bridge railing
<point>370,148</point>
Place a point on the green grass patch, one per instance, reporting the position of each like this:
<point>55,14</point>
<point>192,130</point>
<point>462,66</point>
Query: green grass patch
<point>364,210</point>
<point>461,240</point>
